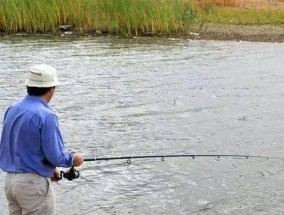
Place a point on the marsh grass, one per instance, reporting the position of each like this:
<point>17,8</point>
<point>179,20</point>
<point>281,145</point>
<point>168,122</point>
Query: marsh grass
<point>128,17</point>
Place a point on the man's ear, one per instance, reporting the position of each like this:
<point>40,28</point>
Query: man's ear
<point>50,90</point>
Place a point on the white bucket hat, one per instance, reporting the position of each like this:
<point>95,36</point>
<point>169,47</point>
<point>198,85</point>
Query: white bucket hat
<point>42,75</point>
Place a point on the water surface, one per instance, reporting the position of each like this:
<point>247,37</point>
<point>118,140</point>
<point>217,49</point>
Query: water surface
<point>161,96</point>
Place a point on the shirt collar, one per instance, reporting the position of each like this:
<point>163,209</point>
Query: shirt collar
<point>37,99</point>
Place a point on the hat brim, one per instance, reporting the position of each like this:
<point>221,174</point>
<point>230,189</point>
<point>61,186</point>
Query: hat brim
<point>31,83</point>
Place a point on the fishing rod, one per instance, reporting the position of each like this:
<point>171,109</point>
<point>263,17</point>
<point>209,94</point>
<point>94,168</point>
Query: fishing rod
<point>193,156</point>
<point>72,173</point>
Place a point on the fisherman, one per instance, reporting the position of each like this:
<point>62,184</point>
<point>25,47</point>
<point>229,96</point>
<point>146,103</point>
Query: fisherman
<point>32,147</point>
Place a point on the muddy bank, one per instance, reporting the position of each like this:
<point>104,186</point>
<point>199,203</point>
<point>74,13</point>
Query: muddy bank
<point>257,33</point>
<point>253,33</point>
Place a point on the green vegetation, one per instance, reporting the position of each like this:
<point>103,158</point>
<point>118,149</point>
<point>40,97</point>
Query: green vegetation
<point>127,17</point>
<point>123,17</point>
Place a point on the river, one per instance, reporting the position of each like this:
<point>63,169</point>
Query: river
<point>146,96</point>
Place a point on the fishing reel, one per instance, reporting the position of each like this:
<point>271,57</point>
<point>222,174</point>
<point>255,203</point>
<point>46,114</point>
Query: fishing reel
<point>70,174</point>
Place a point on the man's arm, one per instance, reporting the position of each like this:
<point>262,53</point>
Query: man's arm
<point>53,146</point>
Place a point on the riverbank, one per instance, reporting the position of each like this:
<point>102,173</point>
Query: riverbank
<point>212,31</point>
<point>254,33</point>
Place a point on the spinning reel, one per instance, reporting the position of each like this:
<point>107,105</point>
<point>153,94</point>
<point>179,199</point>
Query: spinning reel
<point>70,174</point>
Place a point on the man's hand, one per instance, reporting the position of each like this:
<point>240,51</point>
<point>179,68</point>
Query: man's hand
<point>77,159</point>
<point>56,175</point>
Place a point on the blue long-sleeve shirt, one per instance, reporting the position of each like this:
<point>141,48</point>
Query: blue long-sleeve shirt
<point>31,141</point>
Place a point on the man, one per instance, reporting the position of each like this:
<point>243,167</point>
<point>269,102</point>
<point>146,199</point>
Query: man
<point>32,147</point>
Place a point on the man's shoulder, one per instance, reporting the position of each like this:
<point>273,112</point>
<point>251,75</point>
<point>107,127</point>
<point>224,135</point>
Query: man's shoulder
<point>43,115</point>
<point>45,112</point>
<point>34,109</point>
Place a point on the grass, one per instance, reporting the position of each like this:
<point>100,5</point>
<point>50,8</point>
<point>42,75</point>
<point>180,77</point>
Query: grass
<point>126,17</point>
<point>227,12</point>
<point>227,15</point>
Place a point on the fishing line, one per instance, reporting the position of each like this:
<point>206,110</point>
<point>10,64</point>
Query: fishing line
<point>72,173</point>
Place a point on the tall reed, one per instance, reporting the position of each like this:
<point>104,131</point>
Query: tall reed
<point>129,17</point>
<point>126,17</point>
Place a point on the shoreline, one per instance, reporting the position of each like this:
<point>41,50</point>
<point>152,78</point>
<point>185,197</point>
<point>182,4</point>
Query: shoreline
<point>211,31</point>
<point>251,33</point>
